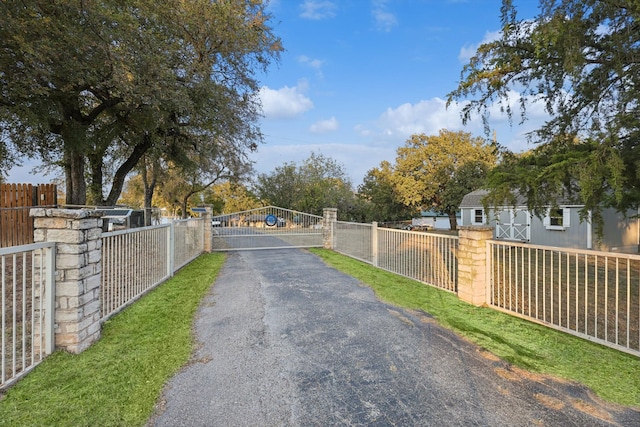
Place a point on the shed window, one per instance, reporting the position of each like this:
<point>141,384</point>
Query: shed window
<point>478,217</point>
<point>557,219</point>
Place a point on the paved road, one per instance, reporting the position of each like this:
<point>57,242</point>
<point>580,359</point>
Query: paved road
<point>288,341</point>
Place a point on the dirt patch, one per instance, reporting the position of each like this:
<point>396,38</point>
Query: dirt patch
<point>597,412</point>
<point>550,402</point>
<point>401,317</point>
<point>507,374</point>
<point>489,356</point>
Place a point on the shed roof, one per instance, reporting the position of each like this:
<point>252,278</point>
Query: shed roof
<point>474,199</point>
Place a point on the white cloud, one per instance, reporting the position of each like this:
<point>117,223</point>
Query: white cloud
<point>424,117</point>
<point>384,20</point>
<point>324,126</point>
<point>284,103</point>
<point>317,10</point>
<point>468,50</point>
<point>395,125</point>
<point>313,63</point>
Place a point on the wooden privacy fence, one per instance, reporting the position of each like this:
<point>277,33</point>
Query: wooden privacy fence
<point>16,226</point>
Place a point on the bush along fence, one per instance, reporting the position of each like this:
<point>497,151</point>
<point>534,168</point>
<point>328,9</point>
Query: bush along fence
<point>593,295</point>
<point>57,291</point>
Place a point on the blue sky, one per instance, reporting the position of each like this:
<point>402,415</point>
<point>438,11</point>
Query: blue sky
<point>358,77</point>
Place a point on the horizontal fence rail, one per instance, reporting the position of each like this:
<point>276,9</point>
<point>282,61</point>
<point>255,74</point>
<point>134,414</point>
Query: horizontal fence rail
<point>27,308</point>
<point>427,257</point>
<point>594,295</point>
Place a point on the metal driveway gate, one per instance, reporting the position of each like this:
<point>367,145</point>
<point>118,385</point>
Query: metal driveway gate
<point>266,228</point>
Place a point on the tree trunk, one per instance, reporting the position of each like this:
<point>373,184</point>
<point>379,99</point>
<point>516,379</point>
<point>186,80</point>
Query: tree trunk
<point>74,137</point>
<point>121,174</point>
<point>96,164</point>
<point>183,206</point>
<point>149,188</point>
<point>74,176</point>
<point>453,222</point>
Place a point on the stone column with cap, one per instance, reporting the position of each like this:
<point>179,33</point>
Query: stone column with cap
<point>78,237</point>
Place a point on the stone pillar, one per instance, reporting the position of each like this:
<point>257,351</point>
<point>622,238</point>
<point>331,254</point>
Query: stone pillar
<point>472,263</point>
<point>208,230</point>
<point>330,216</point>
<point>374,243</point>
<point>78,234</point>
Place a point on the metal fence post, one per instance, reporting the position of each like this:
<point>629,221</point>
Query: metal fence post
<point>50,301</point>
<point>374,244</point>
<point>171,248</point>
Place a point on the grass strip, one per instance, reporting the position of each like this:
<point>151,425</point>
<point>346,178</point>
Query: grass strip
<point>611,374</point>
<point>117,381</point>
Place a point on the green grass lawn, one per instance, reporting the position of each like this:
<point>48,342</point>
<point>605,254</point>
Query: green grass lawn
<point>613,375</point>
<point>117,381</point>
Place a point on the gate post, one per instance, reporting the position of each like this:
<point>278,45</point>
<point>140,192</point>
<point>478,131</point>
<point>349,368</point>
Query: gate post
<point>208,231</point>
<point>472,263</point>
<point>330,216</point>
<point>78,273</point>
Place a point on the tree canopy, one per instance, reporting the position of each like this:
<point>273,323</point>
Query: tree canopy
<point>318,182</point>
<point>380,198</point>
<point>93,86</point>
<point>581,60</point>
<point>435,172</point>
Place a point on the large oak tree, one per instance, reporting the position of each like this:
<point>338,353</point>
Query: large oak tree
<point>434,172</point>
<point>581,60</point>
<point>94,85</point>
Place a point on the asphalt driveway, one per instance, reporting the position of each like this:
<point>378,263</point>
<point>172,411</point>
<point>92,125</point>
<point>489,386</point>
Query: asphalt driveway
<point>287,341</point>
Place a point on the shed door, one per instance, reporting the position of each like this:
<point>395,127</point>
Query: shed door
<point>514,224</point>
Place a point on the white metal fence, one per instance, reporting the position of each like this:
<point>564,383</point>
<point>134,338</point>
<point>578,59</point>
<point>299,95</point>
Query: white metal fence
<point>594,295</point>
<point>427,257</point>
<point>136,260</point>
<point>430,258</point>
<point>132,262</point>
<point>188,241</point>
<point>354,240</point>
<point>26,317</point>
